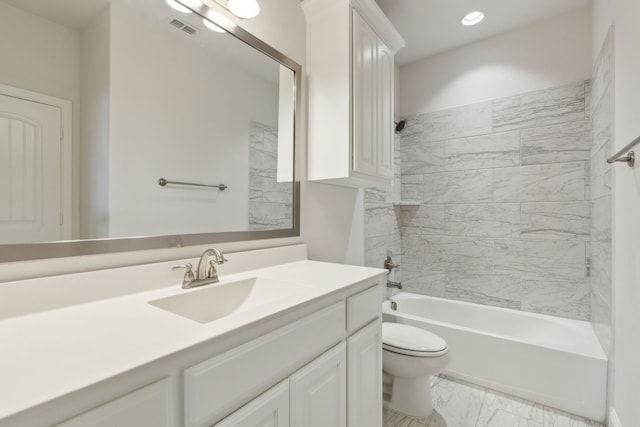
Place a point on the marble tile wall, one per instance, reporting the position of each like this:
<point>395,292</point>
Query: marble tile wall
<point>601,110</point>
<point>504,192</point>
<point>382,233</point>
<point>269,200</point>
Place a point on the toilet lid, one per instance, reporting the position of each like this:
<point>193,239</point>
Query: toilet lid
<point>411,340</point>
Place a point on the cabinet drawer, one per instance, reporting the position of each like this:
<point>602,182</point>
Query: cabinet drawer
<point>150,406</point>
<point>362,308</point>
<point>215,387</point>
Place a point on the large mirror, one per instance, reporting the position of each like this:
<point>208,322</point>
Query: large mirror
<point>125,124</point>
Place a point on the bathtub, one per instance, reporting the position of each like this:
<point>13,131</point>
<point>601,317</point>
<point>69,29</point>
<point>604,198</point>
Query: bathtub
<point>550,360</point>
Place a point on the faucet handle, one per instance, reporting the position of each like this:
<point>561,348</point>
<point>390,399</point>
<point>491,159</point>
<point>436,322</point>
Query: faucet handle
<point>189,277</point>
<point>213,273</point>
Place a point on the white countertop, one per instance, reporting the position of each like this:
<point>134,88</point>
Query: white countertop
<point>51,353</point>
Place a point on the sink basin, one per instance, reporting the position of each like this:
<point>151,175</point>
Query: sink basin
<point>213,302</point>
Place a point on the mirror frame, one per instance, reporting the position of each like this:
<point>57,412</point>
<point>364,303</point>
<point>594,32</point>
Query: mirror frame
<point>60,249</point>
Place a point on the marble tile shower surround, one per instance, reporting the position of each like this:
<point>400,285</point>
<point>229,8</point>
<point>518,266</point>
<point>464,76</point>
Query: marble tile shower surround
<point>382,233</point>
<point>269,200</point>
<point>600,176</point>
<point>505,205</point>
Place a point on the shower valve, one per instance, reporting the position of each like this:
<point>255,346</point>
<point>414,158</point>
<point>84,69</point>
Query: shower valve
<point>389,265</point>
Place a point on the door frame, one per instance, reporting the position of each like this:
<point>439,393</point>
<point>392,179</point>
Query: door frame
<point>66,138</point>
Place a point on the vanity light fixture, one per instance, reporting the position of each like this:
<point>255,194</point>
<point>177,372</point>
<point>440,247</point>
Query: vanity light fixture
<point>217,21</point>
<point>244,8</point>
<point>472,18</point>
<point>177,6</point>
<point>213,27</point>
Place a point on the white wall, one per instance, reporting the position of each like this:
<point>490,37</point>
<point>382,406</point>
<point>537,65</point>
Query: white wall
<point>539,56</point>
<point>623,14</point>
<point>332,217</point>
<point>94,151</point>
<point>44,57</point>
<point>208,142</point>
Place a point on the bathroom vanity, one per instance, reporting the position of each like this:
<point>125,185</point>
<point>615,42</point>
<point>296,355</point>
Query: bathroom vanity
<point>279,340</point>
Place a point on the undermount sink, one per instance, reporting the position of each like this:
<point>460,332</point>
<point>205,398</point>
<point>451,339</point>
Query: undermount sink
<point>214,302</point>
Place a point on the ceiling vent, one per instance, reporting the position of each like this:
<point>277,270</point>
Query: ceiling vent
<point>182,26</point>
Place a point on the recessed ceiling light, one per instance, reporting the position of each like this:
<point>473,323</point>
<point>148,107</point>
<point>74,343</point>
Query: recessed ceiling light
<point>472,18</point>
<point>177,6</point>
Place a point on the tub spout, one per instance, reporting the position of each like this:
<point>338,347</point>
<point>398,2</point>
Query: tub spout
<point>391,284</point>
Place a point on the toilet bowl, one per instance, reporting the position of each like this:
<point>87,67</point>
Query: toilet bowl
<point>410,356</point>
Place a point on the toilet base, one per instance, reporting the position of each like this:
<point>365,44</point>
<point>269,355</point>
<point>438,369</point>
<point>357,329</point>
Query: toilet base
<point>411,396</point>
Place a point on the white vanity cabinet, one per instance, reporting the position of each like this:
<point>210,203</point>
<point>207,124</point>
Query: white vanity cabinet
<point>269,409</point>
<point>364,378</point>
<point>149,406</point>
<point>319,391</point>
<point>340,388</point>
<point>316,362</point>
<point>350,50</point>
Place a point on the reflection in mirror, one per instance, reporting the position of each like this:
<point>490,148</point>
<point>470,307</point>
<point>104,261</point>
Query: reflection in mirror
<point>140,92</point>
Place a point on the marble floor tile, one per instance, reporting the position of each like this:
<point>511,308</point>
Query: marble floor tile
<point>554,418</point>
<point>493,417</point>
<point>394,419</point>
<point>461,404</point>
<point>458,403</point>
<point>498,401</point>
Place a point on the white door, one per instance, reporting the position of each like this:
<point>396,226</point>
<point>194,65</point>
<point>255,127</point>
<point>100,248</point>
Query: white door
<point>318,391</point>
<point>30,171</point>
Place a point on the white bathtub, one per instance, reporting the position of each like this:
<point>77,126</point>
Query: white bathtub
<point>551,360</point>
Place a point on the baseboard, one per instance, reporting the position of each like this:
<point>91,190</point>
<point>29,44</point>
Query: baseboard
<point>614,421</point>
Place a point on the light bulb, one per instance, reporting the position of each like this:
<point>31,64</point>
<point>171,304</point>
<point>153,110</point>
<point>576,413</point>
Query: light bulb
<point>472,18</point>
<point>220,19</point>
<point>244,8</point>
<point>177,6</point>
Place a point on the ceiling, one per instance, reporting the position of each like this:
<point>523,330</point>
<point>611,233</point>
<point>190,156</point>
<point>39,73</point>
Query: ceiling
<point>433,26</point>
<point>70,13</point>
<point>428,26</point>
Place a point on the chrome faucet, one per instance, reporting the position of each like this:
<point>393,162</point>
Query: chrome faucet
<point>389,265</point>
<point>203,275</point>
<point>391,284</point>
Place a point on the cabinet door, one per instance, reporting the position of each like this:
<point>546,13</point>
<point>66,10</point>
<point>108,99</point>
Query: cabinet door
<point>365,92</point>
<point>384,102</point>
<point>149,406</point>
<point>364,378</point>
<point>318,391</point>
<point>271,409</point>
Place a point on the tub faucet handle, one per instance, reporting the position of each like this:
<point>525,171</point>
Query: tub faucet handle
<point>389,265</point>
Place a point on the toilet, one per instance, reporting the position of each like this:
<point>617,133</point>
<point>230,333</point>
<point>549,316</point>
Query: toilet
<point>410,356</point>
